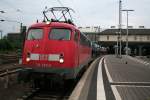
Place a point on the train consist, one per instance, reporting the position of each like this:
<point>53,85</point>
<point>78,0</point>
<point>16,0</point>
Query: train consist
<point>54,48</point>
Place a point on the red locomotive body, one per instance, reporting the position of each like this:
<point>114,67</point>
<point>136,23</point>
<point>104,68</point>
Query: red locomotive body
<point>56,48</point>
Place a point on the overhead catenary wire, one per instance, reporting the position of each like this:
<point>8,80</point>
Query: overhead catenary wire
<point>60,3</point>
<point>78,13</point>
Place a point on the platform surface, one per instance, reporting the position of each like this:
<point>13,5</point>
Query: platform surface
<point>123,78</point>
<point>129,78</point>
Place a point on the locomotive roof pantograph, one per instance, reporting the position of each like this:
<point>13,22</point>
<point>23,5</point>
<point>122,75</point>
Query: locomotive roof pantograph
<point>59,14</point>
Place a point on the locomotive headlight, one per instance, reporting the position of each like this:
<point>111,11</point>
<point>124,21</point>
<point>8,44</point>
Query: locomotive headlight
<point>27,59</point>
<point>61,60</point>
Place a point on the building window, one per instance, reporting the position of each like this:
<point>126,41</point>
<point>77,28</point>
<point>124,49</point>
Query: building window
<point>141,38</point>
<point>135,38</point>
<point>148,37</point>
<point>107,37</point>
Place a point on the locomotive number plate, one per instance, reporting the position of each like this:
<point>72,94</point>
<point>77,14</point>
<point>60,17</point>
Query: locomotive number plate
<point>53,57</point>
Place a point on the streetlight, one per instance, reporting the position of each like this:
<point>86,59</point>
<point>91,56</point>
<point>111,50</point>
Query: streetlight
<point>117,45</point>
<point>97,30</point>
<point>119,33</point>
<point>120,27</point>
<point>2,20</point>
<point>1,30</point>
<point>1,11</point>
<point>127,10</point>
<point>1,34</point>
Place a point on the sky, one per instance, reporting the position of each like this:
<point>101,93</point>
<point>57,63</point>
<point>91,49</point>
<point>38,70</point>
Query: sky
<point>103,13</point>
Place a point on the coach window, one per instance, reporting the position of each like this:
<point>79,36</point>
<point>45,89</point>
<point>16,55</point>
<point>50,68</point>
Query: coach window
<point>35,34</point>
<point>60,34</point>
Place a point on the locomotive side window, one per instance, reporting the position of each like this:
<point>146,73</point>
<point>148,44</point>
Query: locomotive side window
<point>60,34</point>
<point>76,36</point>
<point>35,34</point>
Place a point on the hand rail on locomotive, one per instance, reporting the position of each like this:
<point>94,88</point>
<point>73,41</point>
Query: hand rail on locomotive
<point>63,11</point>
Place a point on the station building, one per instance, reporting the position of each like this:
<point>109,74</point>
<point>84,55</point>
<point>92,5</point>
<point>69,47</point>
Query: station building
<point>91,32</point>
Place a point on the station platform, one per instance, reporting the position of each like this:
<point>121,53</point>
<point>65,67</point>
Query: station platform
<point>114,78</point>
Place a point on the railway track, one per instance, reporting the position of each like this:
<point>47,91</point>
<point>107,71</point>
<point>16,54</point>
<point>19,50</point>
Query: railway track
<point>9,75</point>
<point>56,92</point>
<point>7,58</point>
<point>9,69</point>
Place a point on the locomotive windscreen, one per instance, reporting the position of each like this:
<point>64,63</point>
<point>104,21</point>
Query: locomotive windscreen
<point>35,34</point>
<point>60,34</point>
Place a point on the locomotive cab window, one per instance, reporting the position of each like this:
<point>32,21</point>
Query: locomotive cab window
<point>60,34</point>
<point>35,34</point>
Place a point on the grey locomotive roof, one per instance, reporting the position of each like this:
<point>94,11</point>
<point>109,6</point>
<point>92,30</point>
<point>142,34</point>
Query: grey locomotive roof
<point>124,31</point>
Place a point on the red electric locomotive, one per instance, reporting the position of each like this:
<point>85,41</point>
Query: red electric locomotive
<point>55,48</point>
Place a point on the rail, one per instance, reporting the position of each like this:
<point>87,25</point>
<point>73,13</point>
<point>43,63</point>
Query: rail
<point>30,94</point>
<point>6,74</point>
<point>39,94</point>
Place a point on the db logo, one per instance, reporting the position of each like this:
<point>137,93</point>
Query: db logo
<point>43,57</point>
